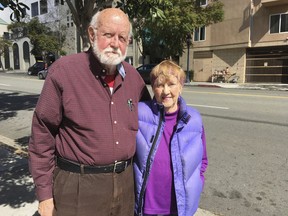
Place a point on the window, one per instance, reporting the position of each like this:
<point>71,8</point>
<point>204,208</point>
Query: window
<point>202,2</point>
<point>43,7</point>
<point>56,2</point>
<point>34,9</point>
<point>7,36</point>
<point>69,21</point>
<point>26,52</point>
<point>278,23</point>
<point>200,34</point>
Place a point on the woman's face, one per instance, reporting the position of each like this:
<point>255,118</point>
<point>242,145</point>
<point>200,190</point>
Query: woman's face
<point>167,91</point>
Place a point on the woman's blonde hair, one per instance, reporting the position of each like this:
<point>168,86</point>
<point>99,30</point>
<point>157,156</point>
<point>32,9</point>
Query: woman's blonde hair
<point>167,68</point>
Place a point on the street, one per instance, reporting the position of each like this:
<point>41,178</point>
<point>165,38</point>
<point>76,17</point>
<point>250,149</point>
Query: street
<point>246,134</point>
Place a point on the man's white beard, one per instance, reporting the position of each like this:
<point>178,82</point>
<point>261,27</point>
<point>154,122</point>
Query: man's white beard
<point>108,56</point>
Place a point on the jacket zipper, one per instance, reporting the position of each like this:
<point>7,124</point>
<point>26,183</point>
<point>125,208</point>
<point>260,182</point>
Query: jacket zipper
<point>149,163</point>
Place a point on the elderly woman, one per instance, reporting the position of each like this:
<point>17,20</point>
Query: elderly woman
<point>171,155</point>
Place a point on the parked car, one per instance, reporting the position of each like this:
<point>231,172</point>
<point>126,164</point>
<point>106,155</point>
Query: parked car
<point>42,74</point>
<point>144,71</point>
<point>34,69</point>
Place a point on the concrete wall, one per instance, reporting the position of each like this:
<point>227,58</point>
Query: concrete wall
<point>260,33</point>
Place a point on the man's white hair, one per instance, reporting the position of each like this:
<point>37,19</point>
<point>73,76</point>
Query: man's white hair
<point>95,22</point>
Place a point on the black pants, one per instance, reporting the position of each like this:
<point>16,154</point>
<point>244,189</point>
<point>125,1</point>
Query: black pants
<point>104,194</point>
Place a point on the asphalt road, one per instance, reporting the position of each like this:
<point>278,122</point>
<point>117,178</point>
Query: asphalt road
<point>247,150</point>
<point>246,132</point>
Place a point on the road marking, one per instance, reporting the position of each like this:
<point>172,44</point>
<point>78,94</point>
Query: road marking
<point>244,95</point>
<point>213,107</point>
<point>2,84</point>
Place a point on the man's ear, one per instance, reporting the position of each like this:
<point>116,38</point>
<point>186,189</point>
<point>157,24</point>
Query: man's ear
<point>91,34</point>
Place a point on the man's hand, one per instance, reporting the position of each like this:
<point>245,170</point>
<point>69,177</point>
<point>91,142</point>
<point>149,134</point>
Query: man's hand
<point>46,207</point>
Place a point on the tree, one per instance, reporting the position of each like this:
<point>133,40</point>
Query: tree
<point>44,40</point>
<point>82,11</point>
<point>164,34</point>
<point>3,43</point>
<point>160,25</point>
<point>19,9</point>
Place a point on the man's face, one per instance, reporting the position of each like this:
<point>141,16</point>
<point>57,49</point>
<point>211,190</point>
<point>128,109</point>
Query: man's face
<point>111,39</point>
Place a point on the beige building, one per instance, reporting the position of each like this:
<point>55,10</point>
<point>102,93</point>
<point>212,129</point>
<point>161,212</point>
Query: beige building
<point>252,42</point>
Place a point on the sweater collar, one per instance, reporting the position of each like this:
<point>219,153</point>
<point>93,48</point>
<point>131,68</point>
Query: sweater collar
<point>183,114</point>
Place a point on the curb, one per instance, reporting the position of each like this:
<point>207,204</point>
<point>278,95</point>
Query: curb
<point>10,145</point>
<point>207,85</point>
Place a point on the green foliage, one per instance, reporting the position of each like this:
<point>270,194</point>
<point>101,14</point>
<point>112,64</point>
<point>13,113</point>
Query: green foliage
<point>164,29</point>
<point>4,43</point>
<point>17,7</point>
<point>62,53</point>
<point>161,26</point>
<point>44,40</point>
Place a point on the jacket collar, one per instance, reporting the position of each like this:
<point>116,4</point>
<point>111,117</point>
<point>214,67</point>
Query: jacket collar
<point>183,114</point>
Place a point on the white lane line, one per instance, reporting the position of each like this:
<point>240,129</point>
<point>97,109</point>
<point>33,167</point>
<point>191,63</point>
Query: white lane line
<point>213,107</point>
<point>2,84</point>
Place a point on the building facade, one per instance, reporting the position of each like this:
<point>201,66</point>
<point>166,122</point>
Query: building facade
<point>49,12</point>
<point>252,41</point>
<point>58,17</point>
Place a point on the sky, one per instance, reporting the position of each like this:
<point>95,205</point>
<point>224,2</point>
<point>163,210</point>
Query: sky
<point>5,14</point>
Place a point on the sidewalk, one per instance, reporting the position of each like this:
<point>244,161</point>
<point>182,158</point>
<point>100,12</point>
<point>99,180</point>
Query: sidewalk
<point>252,86</point>
<point>17,189</point>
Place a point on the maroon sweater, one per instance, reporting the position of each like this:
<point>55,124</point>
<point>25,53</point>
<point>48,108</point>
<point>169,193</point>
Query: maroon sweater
<point>77,117</point>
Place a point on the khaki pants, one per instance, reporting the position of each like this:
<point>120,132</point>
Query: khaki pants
<point>104,194</point>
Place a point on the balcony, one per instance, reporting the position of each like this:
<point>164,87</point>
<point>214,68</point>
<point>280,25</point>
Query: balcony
<point>269,3</point>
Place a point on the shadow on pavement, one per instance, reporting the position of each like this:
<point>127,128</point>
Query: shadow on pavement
<point>10,103</point>
<point>16,185</point>
<point>23,142</point>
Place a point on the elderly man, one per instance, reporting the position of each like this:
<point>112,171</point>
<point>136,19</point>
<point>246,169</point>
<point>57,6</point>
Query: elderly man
<point>84,126</point>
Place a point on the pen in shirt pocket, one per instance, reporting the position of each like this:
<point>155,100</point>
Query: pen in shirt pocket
<point>130,104</point>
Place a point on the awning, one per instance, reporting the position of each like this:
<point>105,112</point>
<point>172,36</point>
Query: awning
<point>269,3</point>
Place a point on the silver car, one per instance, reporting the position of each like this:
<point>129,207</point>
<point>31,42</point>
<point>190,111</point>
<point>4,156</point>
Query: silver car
<point>42,74</point>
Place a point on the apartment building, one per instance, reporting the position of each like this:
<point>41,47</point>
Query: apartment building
<point>52,14</point>
<point>252,41</point>
<point>56,16</point>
